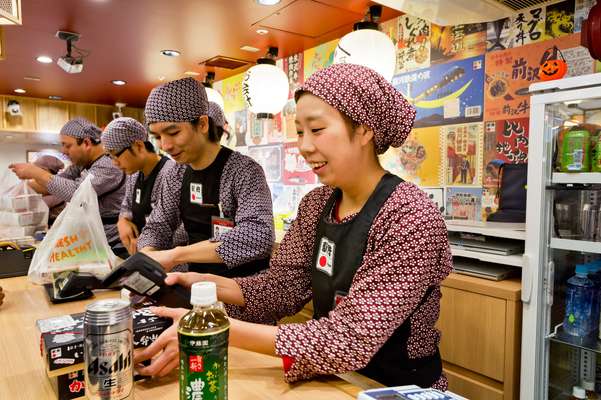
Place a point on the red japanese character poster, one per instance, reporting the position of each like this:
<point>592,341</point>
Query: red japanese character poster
<point>296,170</point>
<point>463,154</point>
<point>456,42</point>
<point>293,67</point>
<point>505,141</point>
<point>509,73</point>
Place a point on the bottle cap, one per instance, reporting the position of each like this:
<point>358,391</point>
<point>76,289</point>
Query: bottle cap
<point>578,392</point>
<point>203,294</point>
<point>588,385</point>
<point>581,269</point>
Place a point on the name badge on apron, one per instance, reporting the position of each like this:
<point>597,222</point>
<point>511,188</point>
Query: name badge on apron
<point>138,195</point>
<point>325,257</point>
<point>221,226</point>
<point>195,193</point>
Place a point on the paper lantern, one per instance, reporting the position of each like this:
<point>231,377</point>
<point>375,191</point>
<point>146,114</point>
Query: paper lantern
<point>215,97</point>
<point>370,48</point>
<point>265,90</point>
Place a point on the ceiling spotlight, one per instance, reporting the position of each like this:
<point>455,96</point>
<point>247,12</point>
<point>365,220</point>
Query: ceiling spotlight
<point>21,91</point>
<point>170,53</point>
<point>161,78</point>
<point>262,31</point>
<point>52,97</point>
<point>32,78</point>
<point>249,48</point>
<point>44,59</point>
<point>268,2</point>
<point>118,82</point>
<point>192,73</point>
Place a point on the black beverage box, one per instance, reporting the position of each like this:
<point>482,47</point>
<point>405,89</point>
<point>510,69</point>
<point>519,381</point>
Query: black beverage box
<point>62,346</point>
<point>69,386</point>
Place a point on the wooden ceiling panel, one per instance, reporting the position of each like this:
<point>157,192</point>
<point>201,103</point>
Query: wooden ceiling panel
<point>125,37</point>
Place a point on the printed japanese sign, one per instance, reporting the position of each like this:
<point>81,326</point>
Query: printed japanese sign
<point>463,154</point>
<point>505,141</point>
<point>418,160</point>
<point>581,12</point>
<point>412,43</point>
<point>457,42</point>
<point>296,170</point>
<point>446,93</point>
<point>294,67</point>
<point>231,90</point>
<point>523,28</point>
<point>510,73</point>
<point>464,203</point>
<point>270,158</point>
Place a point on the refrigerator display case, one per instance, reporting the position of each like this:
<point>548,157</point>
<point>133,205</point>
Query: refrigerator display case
<point>563,230</point>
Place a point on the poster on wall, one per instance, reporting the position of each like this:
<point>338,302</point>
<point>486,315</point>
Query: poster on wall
<point>464,203</point>
<point>505,141</point>
<point>579,61</point>
<point>288,116</point>
<point>296,170</point>
<point>509,74</point>
<point>582,9</point>
<point>294,69</point>
<point>456,42</point>
<point>446,93</point>
<point>525,27</point>
<point>240,127</point>
<point>560,19</point>
<point>463,154</point>
<point>231,90</point>
<point>318,57</point>
<point>490,202</point>
<point>418,160</point>
<point>412,43</point>
<point>270,158</point>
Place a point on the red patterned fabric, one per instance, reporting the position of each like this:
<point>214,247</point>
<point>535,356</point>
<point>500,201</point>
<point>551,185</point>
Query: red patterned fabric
<point>407,252</point>
<point>365,97</point>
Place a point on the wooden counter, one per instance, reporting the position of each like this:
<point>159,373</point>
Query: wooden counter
<point>23,375</point>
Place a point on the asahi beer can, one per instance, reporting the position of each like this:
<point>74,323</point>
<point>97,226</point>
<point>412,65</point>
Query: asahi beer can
<point>108,350</point>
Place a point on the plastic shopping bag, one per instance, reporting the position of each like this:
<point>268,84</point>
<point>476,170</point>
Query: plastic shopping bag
<point>75,242</point>
<point>22,210</point>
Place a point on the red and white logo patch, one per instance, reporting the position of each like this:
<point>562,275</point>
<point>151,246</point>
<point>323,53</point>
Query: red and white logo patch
<point>195,193</point>
<point>196,363</point>
<point>325,256</point>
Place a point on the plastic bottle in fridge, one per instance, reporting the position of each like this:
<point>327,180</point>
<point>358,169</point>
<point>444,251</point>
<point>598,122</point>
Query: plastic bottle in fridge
<point>578,320</point>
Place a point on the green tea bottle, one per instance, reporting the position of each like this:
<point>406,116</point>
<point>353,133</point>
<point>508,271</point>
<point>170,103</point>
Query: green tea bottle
<point>576,151</point>
<point>596,150</point>
<point>203,340</point>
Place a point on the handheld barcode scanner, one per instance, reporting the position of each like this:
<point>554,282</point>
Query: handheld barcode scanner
<point>71,286</point>
<point>144,276</point>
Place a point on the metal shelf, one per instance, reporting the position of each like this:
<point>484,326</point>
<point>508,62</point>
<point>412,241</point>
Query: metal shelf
<point>559,336</point>
<point>515,260</point>
<point>495,229</point>
<point>576,178</point>
<point>576,245</point>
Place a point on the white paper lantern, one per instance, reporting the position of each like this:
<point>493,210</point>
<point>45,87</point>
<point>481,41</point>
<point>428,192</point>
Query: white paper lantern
<point>215,97</point>
<point>265,89</point>
<point>370,48</point>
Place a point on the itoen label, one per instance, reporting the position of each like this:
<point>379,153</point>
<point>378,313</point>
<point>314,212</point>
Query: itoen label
<point>108,367</point>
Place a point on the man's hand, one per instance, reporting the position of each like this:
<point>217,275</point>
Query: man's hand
<point>228,290</point>
<point>166,347</point>
<point>164,257</point>
<point>128,233</point>
<point>28,171</point>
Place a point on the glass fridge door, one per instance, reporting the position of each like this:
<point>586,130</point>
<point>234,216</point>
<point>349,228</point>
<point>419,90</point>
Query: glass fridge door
<point>570,244</point>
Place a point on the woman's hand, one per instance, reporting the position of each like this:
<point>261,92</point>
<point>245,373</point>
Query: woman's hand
<point>165,348</point>
<point>228,290</point>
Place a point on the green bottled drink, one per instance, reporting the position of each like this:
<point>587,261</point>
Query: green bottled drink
<point>203,340</point>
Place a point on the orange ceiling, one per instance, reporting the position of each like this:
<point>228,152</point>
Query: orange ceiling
<point>125,38</point>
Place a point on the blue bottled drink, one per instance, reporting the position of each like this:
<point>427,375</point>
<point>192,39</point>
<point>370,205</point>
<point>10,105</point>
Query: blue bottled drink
<point>594,274</point>
<point>578,320</point>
